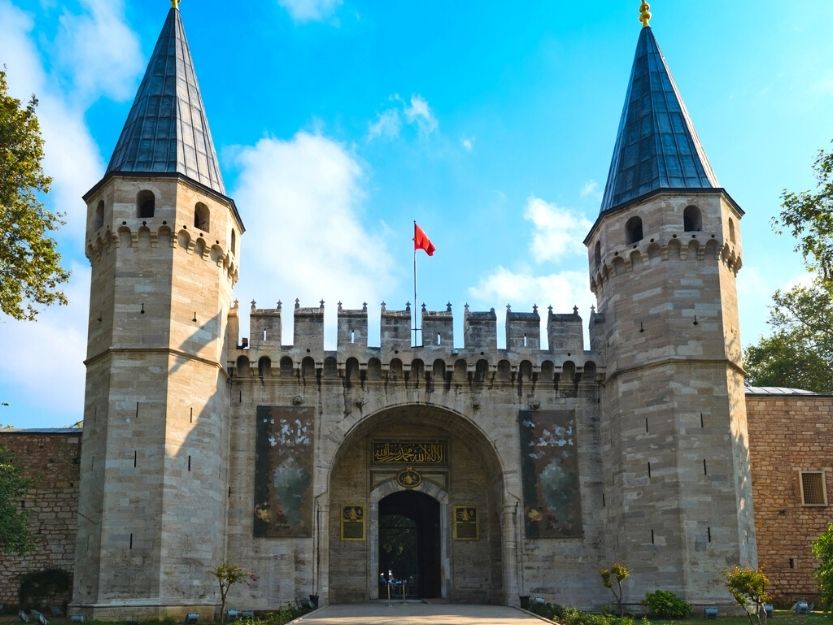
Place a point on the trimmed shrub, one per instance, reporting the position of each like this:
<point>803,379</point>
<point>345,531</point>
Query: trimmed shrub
<point>40,588</point>
<point>665,604</point>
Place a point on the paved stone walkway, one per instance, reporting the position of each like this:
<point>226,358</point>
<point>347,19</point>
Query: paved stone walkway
<point>418,614</point>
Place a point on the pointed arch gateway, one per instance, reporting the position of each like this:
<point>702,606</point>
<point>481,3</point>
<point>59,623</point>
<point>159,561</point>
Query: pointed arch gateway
<point>421,488</point>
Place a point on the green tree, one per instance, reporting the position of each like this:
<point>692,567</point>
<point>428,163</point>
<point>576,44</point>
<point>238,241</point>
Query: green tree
<point>808,217</point>
<point>14,528</point>
<point>617,573</point>
<point>227,576</point>
<point>30,270</point>
<point>823,550</point>
<point>748,587</point>
<point>800,351</point>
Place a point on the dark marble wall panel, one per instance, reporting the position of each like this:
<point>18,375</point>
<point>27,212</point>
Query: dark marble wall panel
<point>283,472</point>
<point>549,461</point>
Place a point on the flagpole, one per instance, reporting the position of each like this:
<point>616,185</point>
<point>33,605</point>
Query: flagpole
<point>414,309</point>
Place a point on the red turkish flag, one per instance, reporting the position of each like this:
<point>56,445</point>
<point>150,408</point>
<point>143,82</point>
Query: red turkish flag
<point>422,242</point>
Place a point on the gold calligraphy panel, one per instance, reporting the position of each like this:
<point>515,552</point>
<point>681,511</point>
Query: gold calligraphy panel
<point>466,524</point>
<point>352,523</point>
<point>411,452</point>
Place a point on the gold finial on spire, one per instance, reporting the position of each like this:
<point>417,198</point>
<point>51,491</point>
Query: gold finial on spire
<point>175,4</point>
<point>645,14</point>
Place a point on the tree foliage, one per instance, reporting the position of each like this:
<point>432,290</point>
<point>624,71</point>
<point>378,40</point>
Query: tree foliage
<point>808,217</point>
<point>749,588</point>
<point>616,574</point>
<point>227,576</point>
<point>800,351</point>
<point>823,550</point>
<point>30,270</point>
<point>14,528</point>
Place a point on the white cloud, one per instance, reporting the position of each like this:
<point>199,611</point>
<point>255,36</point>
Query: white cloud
<point>306,238</point>
<point>103,60</point>
<point>48,356</point>
<point>418,112</point>
<point>590,189</point>
<point>387,126</point>
<point>558,231</point>
<point>390,122</point>
<point>99,51</point>
<point>522,289</point>
<point>467,143</point>
<point>309,10</point>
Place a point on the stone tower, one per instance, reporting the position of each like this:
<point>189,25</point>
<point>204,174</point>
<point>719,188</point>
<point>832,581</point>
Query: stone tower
<point>663,255</point>
<point>163,241</point>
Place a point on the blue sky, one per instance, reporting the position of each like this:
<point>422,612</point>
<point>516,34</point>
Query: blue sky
<point>338,122</point>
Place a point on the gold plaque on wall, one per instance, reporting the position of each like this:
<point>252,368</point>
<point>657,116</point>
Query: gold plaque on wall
<point>409,478</point>
<point>352,522</point>
<point>466,523</point>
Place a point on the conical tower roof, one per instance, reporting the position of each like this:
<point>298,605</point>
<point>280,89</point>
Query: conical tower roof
<point>657,146</point>
<point>167,130</point>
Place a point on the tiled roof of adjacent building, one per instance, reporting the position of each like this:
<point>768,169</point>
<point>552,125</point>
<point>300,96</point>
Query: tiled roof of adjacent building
<point>657,146</point>
<point>776,390</point>
<point>167,129</point>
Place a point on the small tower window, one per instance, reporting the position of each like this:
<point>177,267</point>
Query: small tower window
<point>202,217</point>
<point>692,219</point>
<point>98,219</point>
<point>145,204</point>
<point>597,255</point>
<point>233,241</point>
<point>633,230</point>
<point>731,230</point>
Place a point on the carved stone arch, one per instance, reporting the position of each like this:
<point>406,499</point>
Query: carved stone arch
<point>374,369</point>
<point>330,371</point>
<point>504,371</point>
<point>481,371</point>
<point>287,367</point>
<point>308,369</point>
<point>93,251</point>
<point>143,236</point>
<point>460,375</point>
<point>438,371</point>
<point>546,376</point>
<point>243,369</point>
<point>199,247</point>
<point>712,249</point>
<point>589,373</point>
<point>352,375</point>
<point>183,237</point>
<point>395,372</point>
<point>125,237</point>
<point>654,252</point>
<point>337,490</point>
<point>694,249</point>
<point>417,371</point>
<point>618,266</point>
<point>264,367</point>
<point>674,249</point>
<point>635,259</point>
<point>568,381</point>
<point>525,371</point>
<point>164,236</point>
<point>217,254</point>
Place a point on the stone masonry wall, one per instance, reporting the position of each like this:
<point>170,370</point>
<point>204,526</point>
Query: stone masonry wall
<point>789,434</point>
<point>50,461</point>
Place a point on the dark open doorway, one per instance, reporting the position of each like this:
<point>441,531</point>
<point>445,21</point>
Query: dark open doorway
<point>409,543</point>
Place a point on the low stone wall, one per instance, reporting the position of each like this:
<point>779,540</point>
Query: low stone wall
<point>789,434</point>
<point>50,459</point>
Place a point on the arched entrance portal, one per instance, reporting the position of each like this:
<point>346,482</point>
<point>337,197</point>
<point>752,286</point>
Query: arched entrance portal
<point>409,544</point>
<point>417,490</point>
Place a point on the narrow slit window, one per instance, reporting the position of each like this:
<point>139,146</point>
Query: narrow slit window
<point>130,545</point>
<point>649,469</point>
<point>652,537</point>
<point>702,424</point>
<point>709,533</point>
<point>135,458</point>
<point>705,467</point>
<point>189,463</point>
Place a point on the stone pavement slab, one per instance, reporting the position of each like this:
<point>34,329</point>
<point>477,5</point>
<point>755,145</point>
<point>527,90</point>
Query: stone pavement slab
<point>380,613</point>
